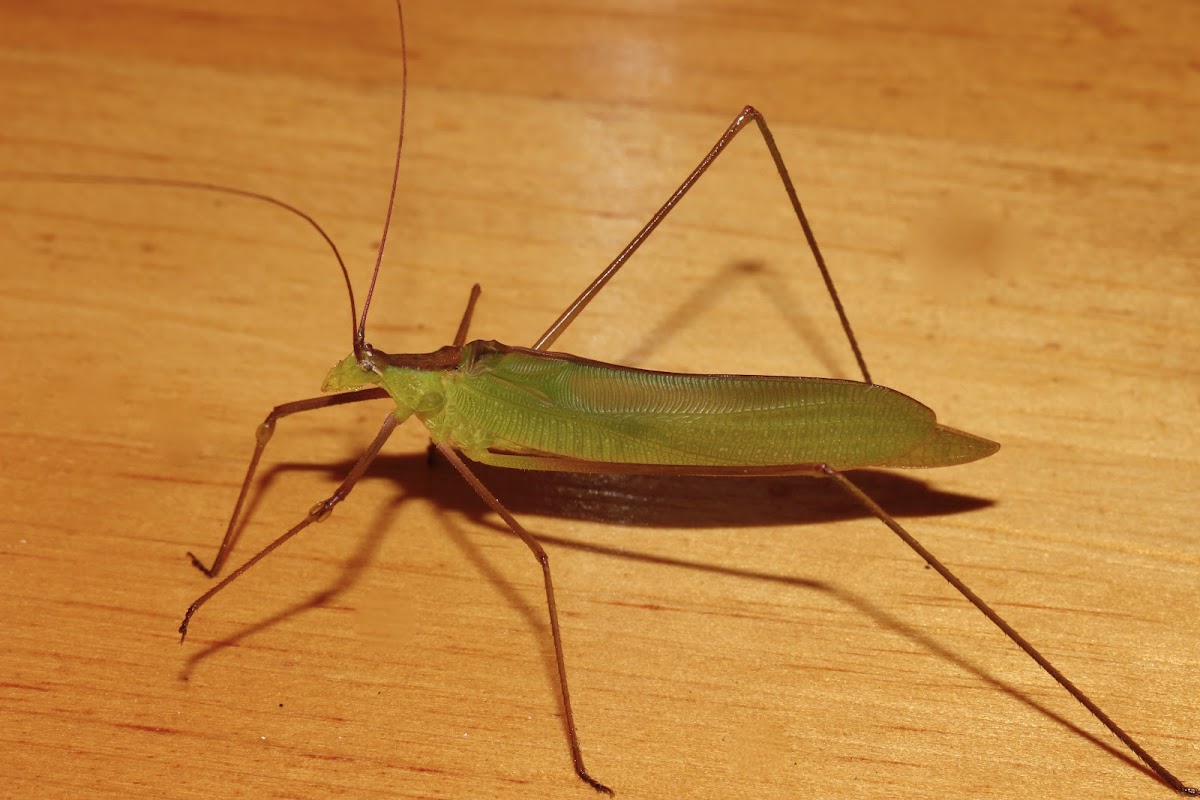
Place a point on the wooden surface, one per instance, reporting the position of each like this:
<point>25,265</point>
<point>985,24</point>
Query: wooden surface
<point>1007,196</point>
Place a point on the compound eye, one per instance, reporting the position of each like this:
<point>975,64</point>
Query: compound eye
<point>366,359</point>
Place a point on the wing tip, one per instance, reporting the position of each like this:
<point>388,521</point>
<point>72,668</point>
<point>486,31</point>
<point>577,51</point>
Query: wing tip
<point>944,447</point>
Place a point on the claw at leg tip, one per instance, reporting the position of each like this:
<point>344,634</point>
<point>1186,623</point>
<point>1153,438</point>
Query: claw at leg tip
<point>597,785</point>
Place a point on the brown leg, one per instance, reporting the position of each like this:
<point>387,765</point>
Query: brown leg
<point>318,513</point>
<point>749,114</point>
<point>261,437</point>
<point>864,500</point>
<point>465,324</point>
<point>540,554</point>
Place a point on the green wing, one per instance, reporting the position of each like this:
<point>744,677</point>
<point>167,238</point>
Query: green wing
<point>528,402</point>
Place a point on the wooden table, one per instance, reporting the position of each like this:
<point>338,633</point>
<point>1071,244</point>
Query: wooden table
<point>1006,195</point>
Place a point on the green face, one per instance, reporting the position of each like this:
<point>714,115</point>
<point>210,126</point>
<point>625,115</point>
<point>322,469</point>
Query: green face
<point>348,374</point>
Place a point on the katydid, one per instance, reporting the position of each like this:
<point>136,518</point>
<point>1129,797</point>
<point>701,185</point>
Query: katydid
<point>534,409</point>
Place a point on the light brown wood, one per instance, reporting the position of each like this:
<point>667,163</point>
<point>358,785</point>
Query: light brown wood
<point>1006,195</point>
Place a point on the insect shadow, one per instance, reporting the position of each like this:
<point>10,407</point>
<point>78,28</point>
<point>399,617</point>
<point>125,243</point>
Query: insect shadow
<point>774,292</point>
<point>645,502</point>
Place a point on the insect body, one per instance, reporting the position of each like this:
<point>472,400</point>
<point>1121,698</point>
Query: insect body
<point>528,408</point>
<point>512,406</point>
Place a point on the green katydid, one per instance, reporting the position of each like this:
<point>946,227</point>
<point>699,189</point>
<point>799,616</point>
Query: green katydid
<point>532,409</point>
<point>529,408</point>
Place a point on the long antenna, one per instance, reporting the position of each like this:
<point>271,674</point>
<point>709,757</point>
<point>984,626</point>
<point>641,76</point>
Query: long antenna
<point>175,183</point>
<point>360,335</point>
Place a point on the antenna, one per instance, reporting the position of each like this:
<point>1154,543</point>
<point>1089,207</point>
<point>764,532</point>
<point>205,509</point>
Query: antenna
<point>175,183</point>
<point>360,335</point>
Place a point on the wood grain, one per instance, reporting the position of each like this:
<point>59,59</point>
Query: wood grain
<point>1006,194</point>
